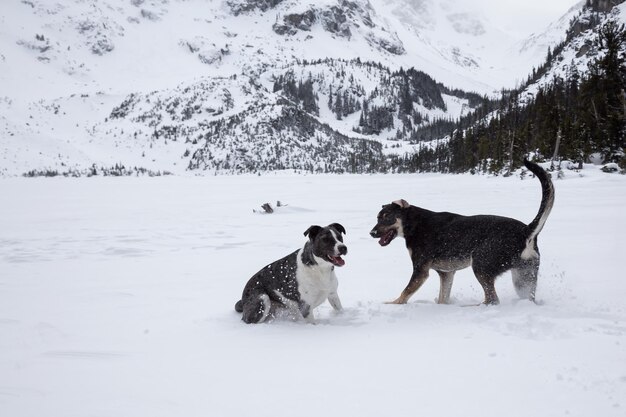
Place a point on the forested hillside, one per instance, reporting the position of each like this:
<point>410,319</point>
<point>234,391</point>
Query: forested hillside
<point>567,110</point>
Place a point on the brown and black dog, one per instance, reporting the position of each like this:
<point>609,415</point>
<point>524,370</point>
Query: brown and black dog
<point>448,242</point>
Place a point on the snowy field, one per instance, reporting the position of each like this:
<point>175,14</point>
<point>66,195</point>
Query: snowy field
<point>117,294</point>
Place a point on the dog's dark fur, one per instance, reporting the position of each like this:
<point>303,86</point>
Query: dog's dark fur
<point>448,242</point>
<point>300,281</point>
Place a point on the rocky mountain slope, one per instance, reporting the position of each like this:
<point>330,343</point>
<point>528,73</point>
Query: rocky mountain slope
<point>237,85</point>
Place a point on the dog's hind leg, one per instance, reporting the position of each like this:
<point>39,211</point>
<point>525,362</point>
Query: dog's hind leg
<point>488,263</point>
<point>488,284</point>
<point>486,275</point>
<point>257,308</point>
<point>446,279</point>
<point>417,279</point>
<point>525,280</point>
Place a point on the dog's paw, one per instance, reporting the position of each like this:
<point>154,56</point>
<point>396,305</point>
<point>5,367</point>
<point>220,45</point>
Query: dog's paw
<point>396,301</point>
<point>310,319</point>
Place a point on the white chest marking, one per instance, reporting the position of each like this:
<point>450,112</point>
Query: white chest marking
<point>315,282</point>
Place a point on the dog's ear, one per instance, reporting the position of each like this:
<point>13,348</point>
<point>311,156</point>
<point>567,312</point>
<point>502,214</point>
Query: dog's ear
<point>312,231</point>
<point>338,228</point>
<point>402,203</point>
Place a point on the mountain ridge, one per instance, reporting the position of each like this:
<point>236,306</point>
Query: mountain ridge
<point>83,128</point>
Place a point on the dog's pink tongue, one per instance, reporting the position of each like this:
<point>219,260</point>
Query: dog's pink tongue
<point>338,260</point>
<point>387,237</point>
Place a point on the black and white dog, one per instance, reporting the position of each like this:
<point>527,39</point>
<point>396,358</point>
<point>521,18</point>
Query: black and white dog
<point>298,282</point>
<point>448,242</point>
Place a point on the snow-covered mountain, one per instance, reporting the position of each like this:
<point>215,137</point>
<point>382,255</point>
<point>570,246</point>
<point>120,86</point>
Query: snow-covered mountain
<point>580,47</point>
<point>199,84</point>
<point>129,44</point>
<point>537,44</point>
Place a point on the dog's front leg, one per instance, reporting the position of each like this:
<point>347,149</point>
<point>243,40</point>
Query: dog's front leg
<point>306,311</point>
<point>446,279</point>
<point>335,302</point>
<point>417,279</point>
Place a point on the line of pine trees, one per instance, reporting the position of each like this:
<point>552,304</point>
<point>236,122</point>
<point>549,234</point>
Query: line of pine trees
<point>300,92</point>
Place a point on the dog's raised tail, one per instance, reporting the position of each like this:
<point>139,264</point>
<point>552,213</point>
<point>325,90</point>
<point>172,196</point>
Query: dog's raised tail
<point>547,201</point>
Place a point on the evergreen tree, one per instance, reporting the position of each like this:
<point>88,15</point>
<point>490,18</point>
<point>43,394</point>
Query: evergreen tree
<point>338,107</point>
<point>612,82</point>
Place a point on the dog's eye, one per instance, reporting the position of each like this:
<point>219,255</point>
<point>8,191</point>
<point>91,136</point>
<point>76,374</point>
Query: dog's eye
<point>389,218</point>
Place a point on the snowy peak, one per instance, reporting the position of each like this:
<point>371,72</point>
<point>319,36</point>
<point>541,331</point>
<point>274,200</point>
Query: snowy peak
<point>448,30</point>
<point>238,7</point>
<point>81,45</point>
<point>579,46</point>
<point>341,19</point>
<point>538,43</point>
<point>195,84</point>
<point>450,17</point>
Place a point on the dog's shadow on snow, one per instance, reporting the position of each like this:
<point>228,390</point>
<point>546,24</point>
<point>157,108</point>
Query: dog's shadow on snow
<point>361,314</point>
<point>323,317</point>
<point>367,312</point>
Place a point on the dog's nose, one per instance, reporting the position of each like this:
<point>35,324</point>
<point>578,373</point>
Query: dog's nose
<point>374,233</point>
<point>343,250</point>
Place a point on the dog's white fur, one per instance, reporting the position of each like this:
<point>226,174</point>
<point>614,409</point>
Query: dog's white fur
<point>318,284</point>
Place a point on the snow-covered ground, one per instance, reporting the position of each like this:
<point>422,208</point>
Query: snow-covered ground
<point>117,294</point>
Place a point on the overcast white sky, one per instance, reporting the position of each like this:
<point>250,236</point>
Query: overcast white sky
<point>524,17</point>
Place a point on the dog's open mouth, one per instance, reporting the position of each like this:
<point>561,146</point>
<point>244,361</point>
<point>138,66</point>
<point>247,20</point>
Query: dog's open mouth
<point>388,237</point>
<point>336,260</point>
